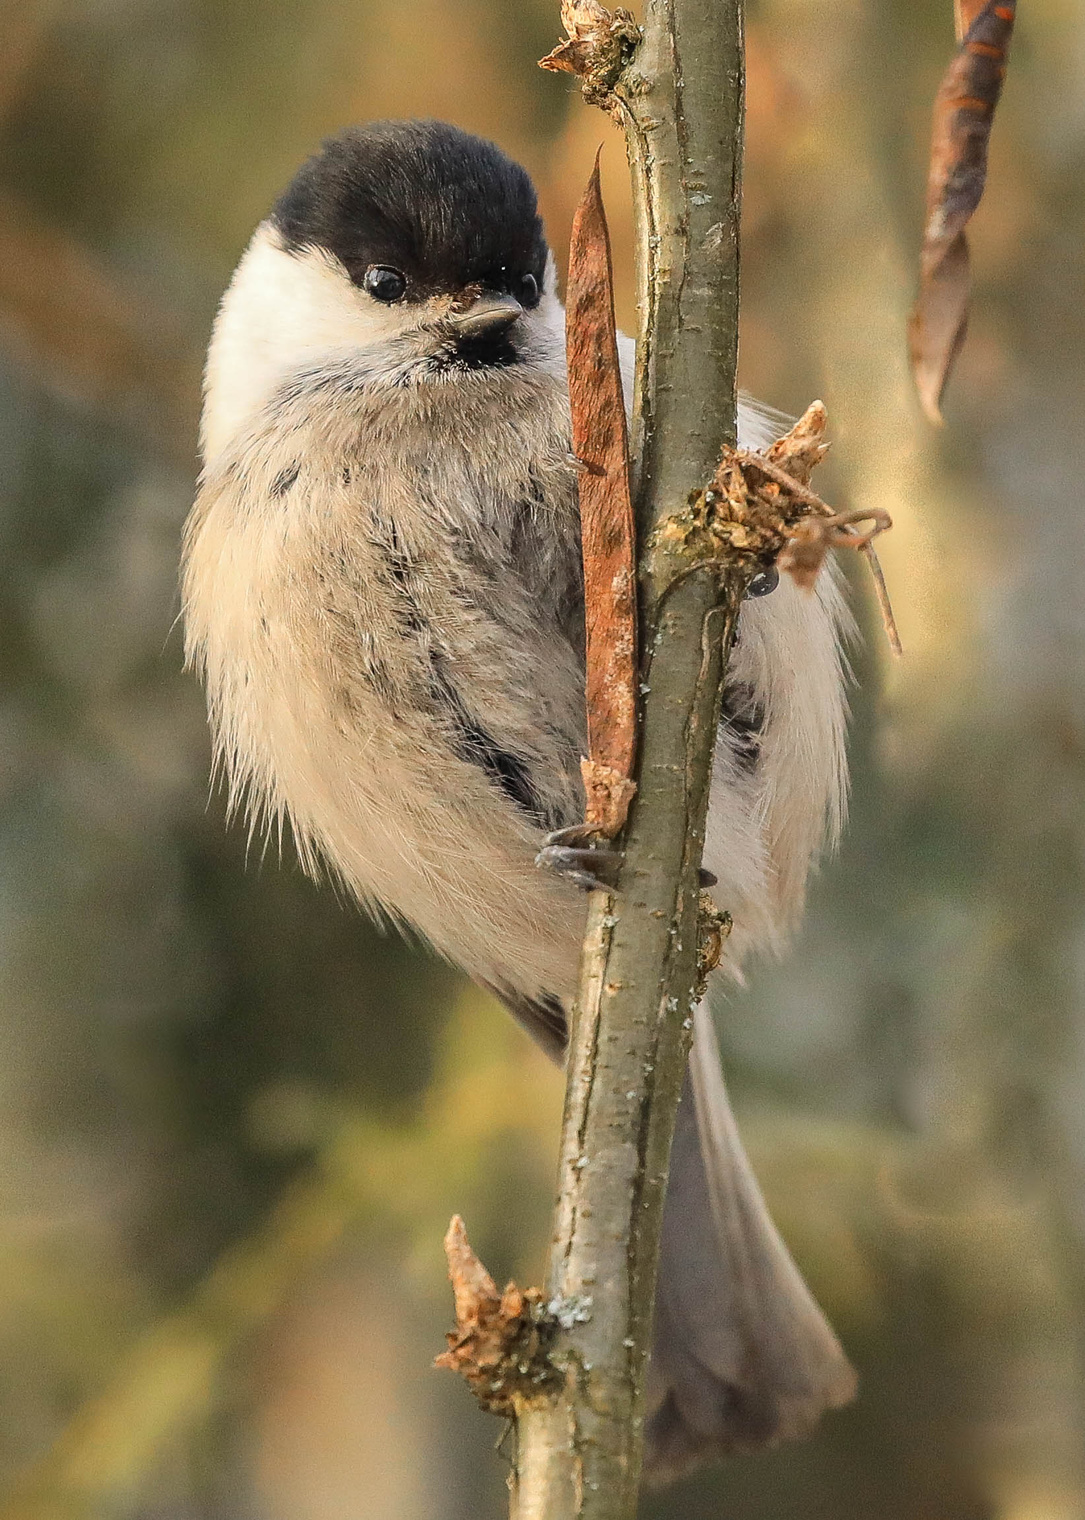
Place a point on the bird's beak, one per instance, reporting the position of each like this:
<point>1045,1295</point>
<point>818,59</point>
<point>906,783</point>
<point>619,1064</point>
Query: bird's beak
<point>486,317</point>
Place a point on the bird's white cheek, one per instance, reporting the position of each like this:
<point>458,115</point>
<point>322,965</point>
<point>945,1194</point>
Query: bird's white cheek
<point>544,334</point>
<point>283,312</point>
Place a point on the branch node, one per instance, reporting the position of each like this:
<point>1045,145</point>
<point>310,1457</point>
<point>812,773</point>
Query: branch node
<point>501,1341</point>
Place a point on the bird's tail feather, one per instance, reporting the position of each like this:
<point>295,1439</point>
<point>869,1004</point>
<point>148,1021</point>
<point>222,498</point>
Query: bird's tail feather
<point>742,1356</point>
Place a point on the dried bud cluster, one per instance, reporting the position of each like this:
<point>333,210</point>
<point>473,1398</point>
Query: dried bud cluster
<point>758,511</point>
<point>598,45</point>
<point>745,516</point>
<point>500,1341</point>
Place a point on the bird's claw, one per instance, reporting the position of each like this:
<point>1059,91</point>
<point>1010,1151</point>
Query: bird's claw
<point>565,852</point>
<point>586,868</point>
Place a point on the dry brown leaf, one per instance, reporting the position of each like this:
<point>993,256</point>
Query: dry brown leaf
<point>963,113</point>
<point>964,13</point>
<point>601,447</point>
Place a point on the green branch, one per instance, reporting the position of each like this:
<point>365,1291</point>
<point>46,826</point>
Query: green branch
<point>679,94</point>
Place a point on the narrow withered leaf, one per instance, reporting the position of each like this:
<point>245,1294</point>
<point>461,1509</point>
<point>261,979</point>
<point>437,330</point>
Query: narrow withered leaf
<point>963,113</point>
<point>601,446</point>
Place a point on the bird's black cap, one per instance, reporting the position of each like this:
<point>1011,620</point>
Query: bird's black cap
<point>445,208</point>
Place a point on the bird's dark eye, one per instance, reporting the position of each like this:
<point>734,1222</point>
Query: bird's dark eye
<point>764,582</point>
<point>527,290</point>
<point>385,283</point>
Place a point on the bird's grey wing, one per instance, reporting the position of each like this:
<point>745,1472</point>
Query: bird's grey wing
<point>542,1017</point>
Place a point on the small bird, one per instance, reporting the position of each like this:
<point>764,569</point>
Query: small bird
<point>383,593</point>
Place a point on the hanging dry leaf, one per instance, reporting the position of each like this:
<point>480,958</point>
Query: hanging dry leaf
<point>601,446</point>
<point>963,113</point>
<point>964,13</point>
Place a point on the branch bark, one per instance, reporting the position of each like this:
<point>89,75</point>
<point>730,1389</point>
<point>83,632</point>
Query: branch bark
<point>680,98</point>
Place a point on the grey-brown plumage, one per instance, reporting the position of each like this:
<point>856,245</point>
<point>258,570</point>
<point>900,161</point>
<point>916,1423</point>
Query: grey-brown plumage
<point>382,590</point>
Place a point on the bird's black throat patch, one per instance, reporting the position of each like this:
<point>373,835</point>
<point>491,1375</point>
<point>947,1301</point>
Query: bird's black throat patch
<point>485,352</point>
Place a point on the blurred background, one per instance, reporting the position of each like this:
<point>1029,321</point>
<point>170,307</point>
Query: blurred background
<point>234,1120</point>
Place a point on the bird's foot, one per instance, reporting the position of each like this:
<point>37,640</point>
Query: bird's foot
<point>566,852</point>
<point>585,867</point>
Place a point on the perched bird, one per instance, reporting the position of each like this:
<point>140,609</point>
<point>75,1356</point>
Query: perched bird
<point>383,593</point>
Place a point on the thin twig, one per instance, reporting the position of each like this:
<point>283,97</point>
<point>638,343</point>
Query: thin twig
<point>881,592</point>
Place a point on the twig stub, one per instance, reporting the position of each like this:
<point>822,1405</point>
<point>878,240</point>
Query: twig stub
<point>501,1340</point>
